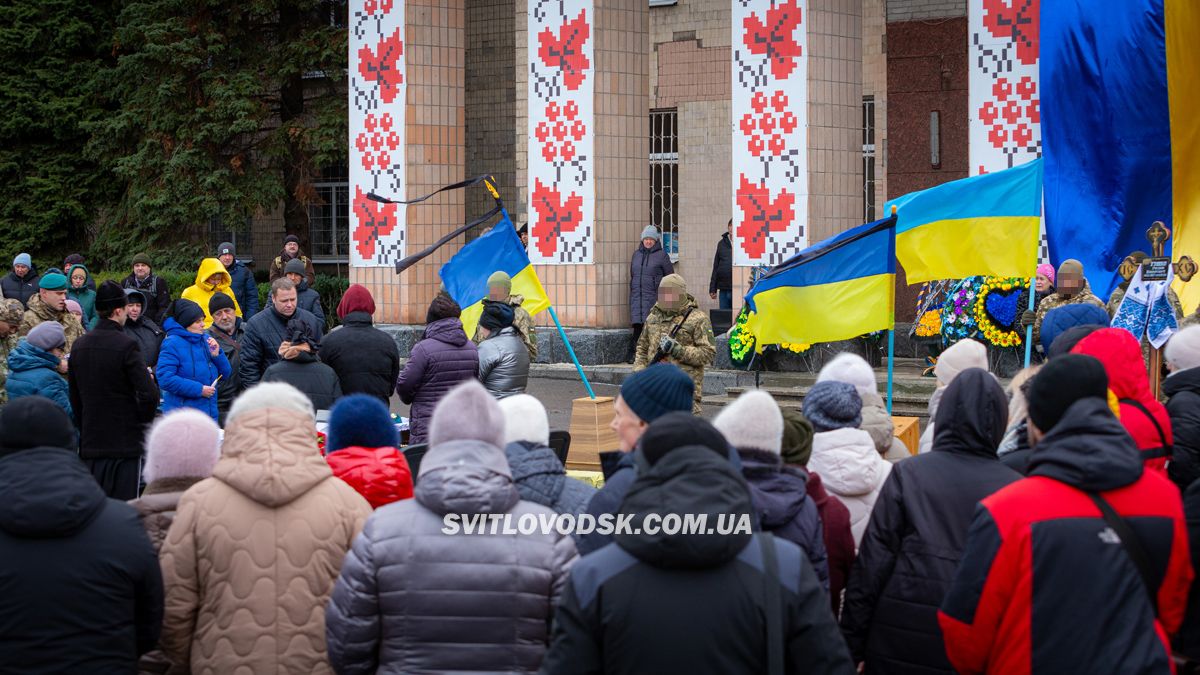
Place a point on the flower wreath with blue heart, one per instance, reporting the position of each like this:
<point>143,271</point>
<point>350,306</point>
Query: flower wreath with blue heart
<point>998,308</point>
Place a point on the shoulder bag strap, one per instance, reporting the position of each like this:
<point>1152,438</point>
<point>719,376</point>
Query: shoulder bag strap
<point>1131,544</point>
<point>682,320</point>
<point>771,591</point>
<point>1153,453</point>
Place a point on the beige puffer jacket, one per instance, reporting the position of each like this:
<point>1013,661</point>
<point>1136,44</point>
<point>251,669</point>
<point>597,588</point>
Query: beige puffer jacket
<point>254,551</point>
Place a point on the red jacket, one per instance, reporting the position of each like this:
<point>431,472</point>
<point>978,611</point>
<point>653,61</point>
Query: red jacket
<point>1045,586</point>
<point>1121,355</point>
<point>839,541</point>
<point>381,475</point>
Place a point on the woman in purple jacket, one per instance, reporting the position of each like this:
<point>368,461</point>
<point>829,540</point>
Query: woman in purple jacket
<point>438,362</point>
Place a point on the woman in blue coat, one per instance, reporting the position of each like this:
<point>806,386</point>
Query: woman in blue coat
<point>35,365</point>
<point>189,362</point>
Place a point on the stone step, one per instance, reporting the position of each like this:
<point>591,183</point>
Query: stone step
<point>797,394</point>
<point>919,410</point>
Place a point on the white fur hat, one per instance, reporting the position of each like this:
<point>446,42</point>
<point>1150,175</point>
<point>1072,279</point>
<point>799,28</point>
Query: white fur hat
<point>851,369</point>
<point>270,395</point>
<point>525,420</point>
<point>752,422</point>
<point>957,358</point>
<point>184,443</point>
<point>1183,349</point>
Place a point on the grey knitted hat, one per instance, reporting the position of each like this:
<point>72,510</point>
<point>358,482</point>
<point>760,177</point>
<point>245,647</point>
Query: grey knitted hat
<point>833,405</point>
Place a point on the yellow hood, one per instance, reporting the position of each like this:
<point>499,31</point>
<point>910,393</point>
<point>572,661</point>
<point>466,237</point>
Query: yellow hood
<point>209,267</point>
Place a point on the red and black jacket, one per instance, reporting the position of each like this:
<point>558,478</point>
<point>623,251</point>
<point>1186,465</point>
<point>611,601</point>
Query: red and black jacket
<point>1046,587</point>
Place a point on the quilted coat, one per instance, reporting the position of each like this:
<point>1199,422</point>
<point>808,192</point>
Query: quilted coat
<point>541,479</point>
<point>185,367</point>
<point>33,371</point>
<point>646,270</point>
<point>852,471</point>
<point>381,475</point>
<point>1182,389</point>
<point>441,360</point>
<point>504,363</point>
<point>412,599</point>
<point>365,358</point>
<point>254,551</point>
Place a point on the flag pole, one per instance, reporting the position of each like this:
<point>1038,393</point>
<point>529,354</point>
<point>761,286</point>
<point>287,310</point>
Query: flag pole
<point>891,372</point>
<point>1029,328</point>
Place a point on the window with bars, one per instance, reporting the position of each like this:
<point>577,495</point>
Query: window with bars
<point>664,177</point>
<point>868,158</point>
<point>242,238</point>
<point>329,217</point>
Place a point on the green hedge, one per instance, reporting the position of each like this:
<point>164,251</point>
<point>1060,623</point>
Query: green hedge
<point>330,288</point>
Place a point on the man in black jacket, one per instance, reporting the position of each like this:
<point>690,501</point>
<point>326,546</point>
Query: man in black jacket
<point>227,330</point>
<point>721,281</point>
<point>155,294</point>
<point>268,329</point>
<point>113,397</point>
<point>365,358</point>
<point>680,602</point>
<point>82,587</point>
<point>300,367</point>
<point>22,282</point>
<point>142,328</point>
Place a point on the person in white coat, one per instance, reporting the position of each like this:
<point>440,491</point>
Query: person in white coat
<point>854,370</point>
<point>843,454</point>
<point>957,358</point>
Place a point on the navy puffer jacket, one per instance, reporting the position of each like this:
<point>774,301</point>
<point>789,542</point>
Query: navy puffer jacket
<point>782,506</point>
<point>441,360</point>
<point>541,479</point>
<point>646,270</point>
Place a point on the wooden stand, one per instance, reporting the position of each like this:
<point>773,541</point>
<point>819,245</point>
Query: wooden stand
<point>908,430</point>
<point>591,432</point>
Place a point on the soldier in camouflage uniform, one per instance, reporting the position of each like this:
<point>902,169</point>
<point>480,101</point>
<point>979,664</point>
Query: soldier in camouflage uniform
<point>50,304</point>
<point>680,331</point>
<point>500,290</point>
<point>11,311</point>
<point>1072,289</point>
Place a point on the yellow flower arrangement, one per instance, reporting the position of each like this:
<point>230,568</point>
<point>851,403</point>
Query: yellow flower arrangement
<point>988,328</point>
<point>930,323</point>
<point>797,348</point>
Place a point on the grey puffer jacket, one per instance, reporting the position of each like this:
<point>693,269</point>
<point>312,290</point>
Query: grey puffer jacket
<point>504,363</point>
<point>412,599</point>
<point>541,479</point>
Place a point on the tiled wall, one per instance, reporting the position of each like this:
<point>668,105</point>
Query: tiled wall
<point>435,138</point>
<point>913,10</point>
<point>491,104</point>
<point>875,85</point>
<point>597,295</point>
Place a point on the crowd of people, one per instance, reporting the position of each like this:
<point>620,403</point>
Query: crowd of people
<point>1042,529</point>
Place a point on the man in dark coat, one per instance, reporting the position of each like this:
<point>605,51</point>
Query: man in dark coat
<point>113,397</point>
<point>156,296</point>
<point>1187,640</point>
<point>300,367</point>
<point>649,265</point>
<point>365,358</point>
<point>1046,583</point>
<point>241,280</point>
<point>680,602</point>
<point>22,282</point>
<point>227,331</point>
<point>1182,389</point>
<point>442,359</point>
<point>306,297</point>
<point>269,328</point>
<point>720,284</point>
<point>82,590</point>
<point>142,329</point>
<point>291,251</point>
<point>918,529</point>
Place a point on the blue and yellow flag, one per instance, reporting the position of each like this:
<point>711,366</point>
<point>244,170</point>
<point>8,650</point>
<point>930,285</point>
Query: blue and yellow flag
<point>498,250</point>
<point>838,289</point>
<point>983,225</point>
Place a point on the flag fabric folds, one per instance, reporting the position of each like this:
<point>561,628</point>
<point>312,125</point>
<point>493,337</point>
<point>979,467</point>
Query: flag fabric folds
<point>838,289</point>
<point>1119,129</point>
<point>984,225</point>
<point>498,250</point>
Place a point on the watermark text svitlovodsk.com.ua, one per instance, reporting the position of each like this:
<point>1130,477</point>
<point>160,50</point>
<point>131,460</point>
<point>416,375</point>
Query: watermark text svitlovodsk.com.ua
<point>605,525</point>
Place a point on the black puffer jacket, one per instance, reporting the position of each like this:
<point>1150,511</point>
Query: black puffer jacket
<point>264,333</point>
<point>1183,405</point>
<point>781,503</point>
<point>918,529</point>
<point>690,603</point>
<point>365,358</point>
<point>80,586</point>
<point>306,373</point>
<point>149,337</point>
<point>20,288</point>
<point>1187,640</point>
<point>721,278</point>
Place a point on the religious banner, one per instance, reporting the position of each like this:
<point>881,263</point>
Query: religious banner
<point>376,119</point>
<point>1005,101</point>
<point>770,130</point>
<point>561,132</point>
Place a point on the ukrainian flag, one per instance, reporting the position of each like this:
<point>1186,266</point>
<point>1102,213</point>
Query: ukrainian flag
<point>838,289</point>
<point>981,225</point>
<point>498,250</point>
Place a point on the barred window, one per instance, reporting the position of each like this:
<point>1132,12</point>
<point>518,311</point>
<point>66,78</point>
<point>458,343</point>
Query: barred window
<point>329,217</point>
<point>664,177</point>
<point>868,158</point>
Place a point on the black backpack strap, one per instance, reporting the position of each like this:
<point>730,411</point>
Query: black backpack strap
<point>1131,544</point>
<point>1163,450</point>
<point>771,591</point>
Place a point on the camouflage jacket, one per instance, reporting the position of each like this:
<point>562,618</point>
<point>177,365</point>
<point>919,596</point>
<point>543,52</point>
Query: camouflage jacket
<point>697,349</point>
<point>39,311</point>
<point>1055,300</point>
<point>6,345</point>
<point>523,322</point>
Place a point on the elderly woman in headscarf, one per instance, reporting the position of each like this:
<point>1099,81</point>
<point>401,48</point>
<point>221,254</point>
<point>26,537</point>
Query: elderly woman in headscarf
<point>960,356</point>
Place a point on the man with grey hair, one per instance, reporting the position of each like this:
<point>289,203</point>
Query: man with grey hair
<point>268,329</point>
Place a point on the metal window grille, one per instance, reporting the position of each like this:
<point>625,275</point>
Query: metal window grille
<point>329,217</point>
<point>868,157</point>
<point>242,238</point>
<point>664,176</point>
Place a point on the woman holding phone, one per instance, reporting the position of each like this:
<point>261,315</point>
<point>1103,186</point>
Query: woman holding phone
<point>190,362</point>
